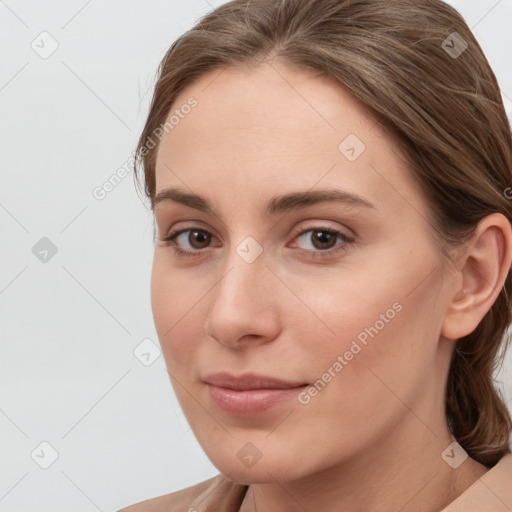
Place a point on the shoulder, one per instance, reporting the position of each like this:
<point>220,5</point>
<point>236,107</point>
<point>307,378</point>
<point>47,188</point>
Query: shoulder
<point>490,493</point>
<point>217,493</point>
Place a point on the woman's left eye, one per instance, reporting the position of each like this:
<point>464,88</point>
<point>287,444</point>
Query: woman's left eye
<point>323,242</point>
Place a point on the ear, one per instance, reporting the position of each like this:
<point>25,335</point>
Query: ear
<point>481,273</point>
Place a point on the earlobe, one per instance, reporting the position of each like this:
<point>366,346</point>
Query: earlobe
<point>483,270</point>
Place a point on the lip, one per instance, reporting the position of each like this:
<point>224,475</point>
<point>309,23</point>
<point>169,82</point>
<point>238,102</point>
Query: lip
<point>249,394</point>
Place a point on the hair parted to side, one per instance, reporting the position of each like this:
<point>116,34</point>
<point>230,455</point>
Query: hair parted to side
<point>446,112</point>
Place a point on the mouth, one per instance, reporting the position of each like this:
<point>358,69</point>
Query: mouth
<point>249,394</point>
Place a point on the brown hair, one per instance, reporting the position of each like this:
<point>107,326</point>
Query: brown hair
<point>439,98</point>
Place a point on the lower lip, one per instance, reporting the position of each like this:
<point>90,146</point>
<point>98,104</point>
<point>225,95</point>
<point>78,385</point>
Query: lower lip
<point>250,402</point>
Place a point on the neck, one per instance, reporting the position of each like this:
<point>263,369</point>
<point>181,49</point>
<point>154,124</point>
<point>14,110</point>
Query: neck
<point>399,472</point>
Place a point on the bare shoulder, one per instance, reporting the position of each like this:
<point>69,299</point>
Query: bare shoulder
<point>215,493</point>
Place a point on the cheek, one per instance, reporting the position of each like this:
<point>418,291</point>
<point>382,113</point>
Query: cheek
<point>344,306</point>
<point>174,302</point>
<point>375,329</point>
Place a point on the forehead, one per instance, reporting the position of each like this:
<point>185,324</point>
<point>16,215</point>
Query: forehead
<point>274,126</point>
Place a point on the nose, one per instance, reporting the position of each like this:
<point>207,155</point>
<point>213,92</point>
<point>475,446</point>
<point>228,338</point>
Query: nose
<point>245,305</point>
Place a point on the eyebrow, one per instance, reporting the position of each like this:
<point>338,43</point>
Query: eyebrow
<point>278,204</point>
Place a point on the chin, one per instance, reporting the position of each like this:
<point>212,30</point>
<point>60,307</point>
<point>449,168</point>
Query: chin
<point>267,469</point>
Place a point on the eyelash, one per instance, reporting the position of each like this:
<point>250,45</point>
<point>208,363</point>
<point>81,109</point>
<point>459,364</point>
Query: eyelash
<point>169,241</point>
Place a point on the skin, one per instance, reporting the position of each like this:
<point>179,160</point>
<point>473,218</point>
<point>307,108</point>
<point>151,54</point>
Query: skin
<point>372,438</point>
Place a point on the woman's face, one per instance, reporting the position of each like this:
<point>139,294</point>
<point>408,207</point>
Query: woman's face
<point>341,300</point>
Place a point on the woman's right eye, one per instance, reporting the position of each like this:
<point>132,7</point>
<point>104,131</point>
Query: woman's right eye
<point>195,236</point>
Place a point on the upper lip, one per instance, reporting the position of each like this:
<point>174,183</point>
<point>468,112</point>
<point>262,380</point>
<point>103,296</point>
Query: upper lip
<point>248,381</point>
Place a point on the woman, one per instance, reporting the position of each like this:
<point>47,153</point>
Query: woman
<point>331,274</point>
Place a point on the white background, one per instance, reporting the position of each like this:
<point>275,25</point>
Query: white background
<point>69,326</point>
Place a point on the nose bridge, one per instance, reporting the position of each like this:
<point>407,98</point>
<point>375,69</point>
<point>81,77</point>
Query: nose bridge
<point>245,279</point>
<point>242,300</point>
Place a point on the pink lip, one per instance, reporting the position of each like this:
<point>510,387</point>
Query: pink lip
<point>249,394</point>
